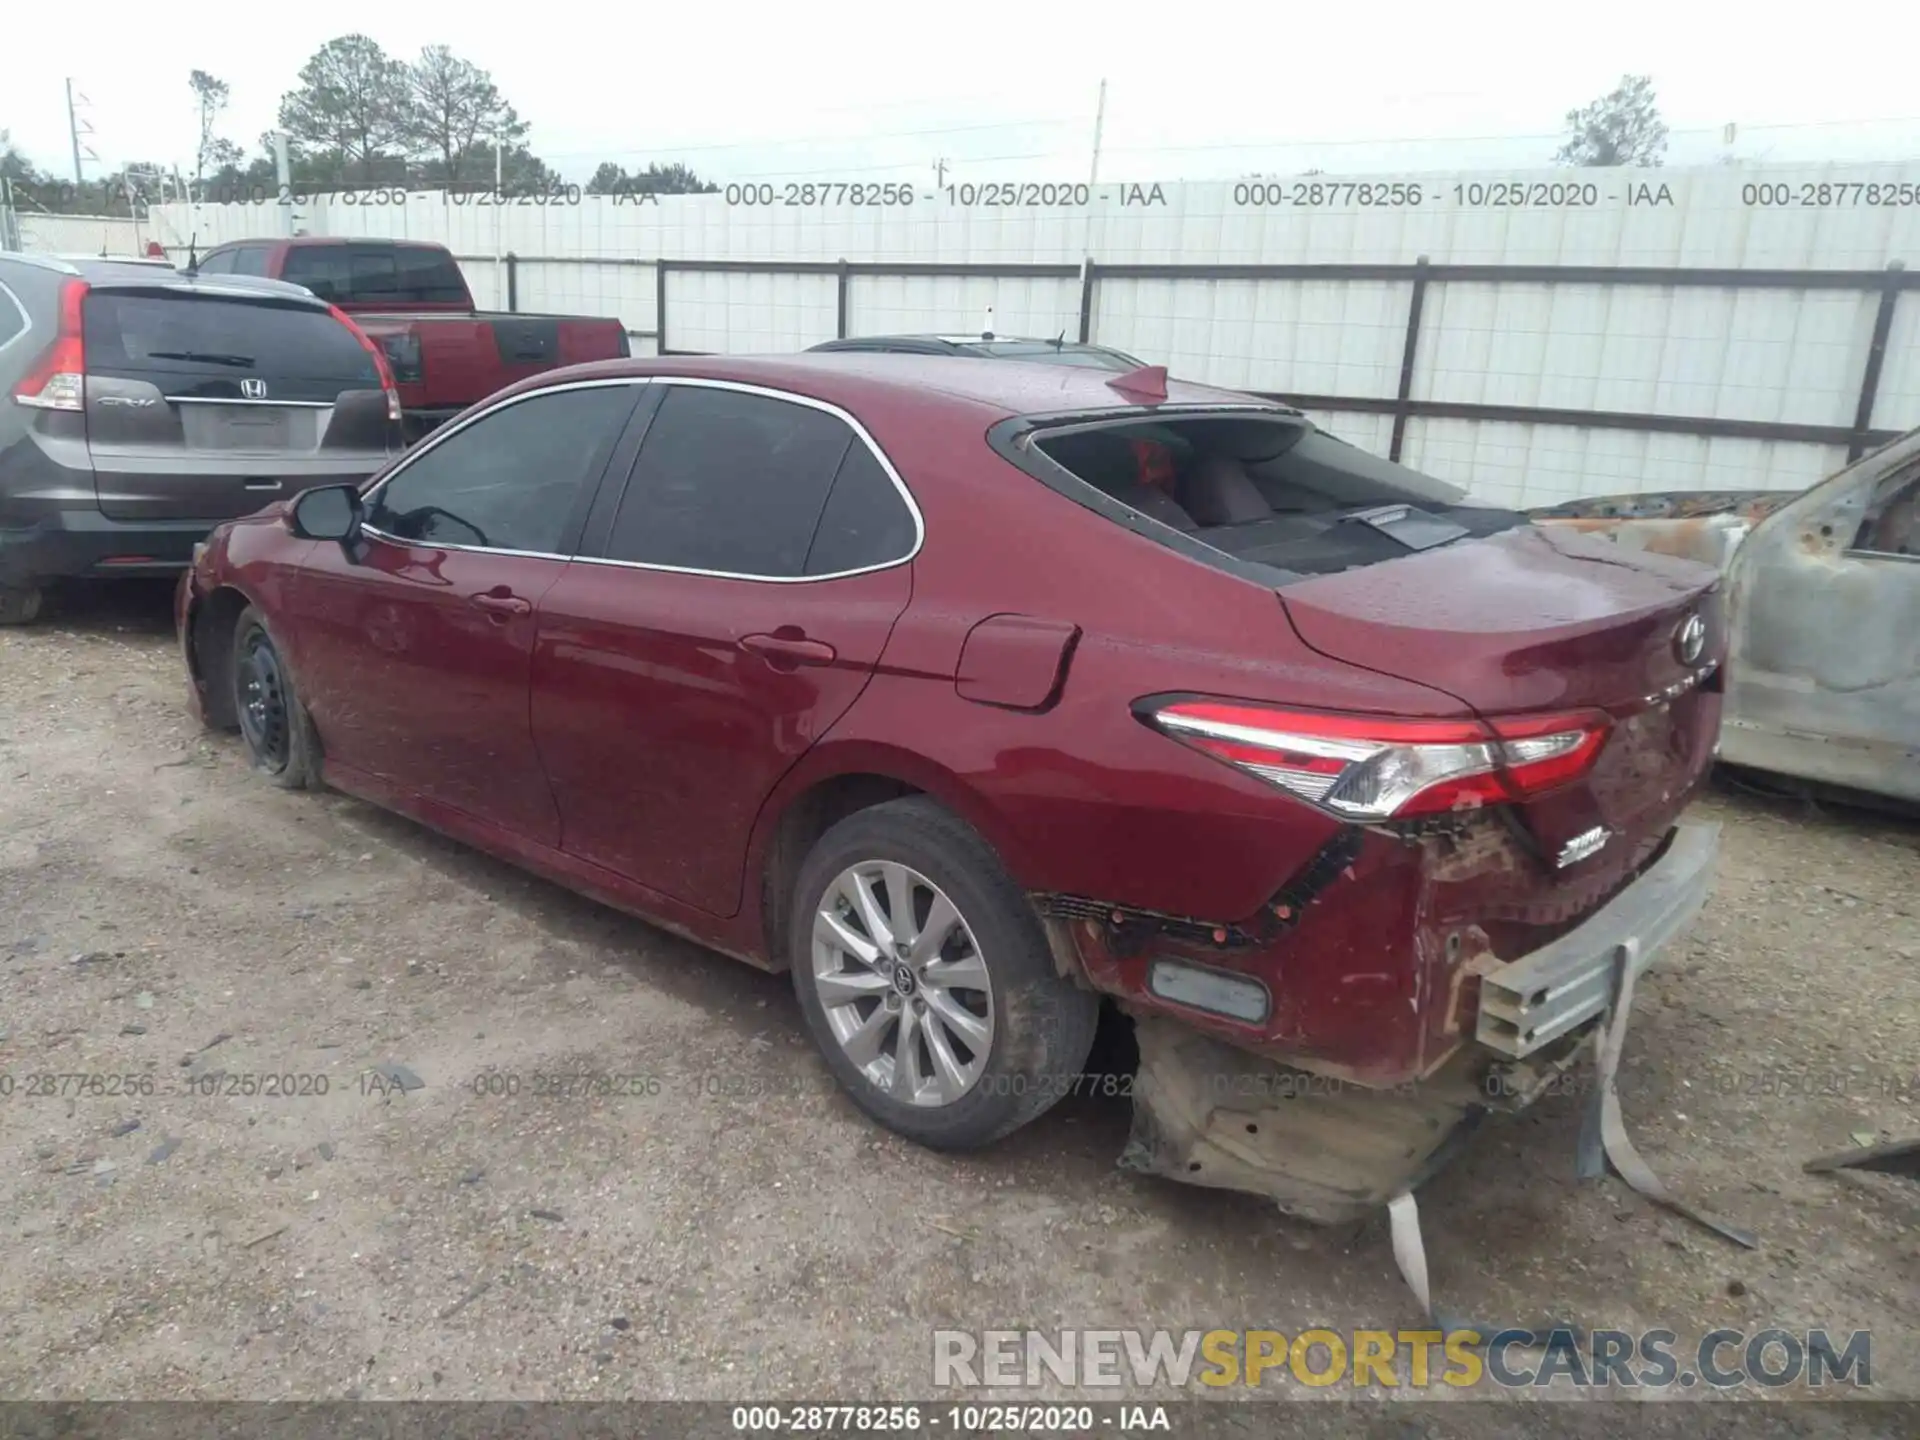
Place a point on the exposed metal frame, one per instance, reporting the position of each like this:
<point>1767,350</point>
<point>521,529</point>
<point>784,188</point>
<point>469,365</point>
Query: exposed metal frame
<point>1889,284</point>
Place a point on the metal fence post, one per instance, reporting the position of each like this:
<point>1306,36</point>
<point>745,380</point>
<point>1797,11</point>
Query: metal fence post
<point>660,307</point>
<point>1405,393</point>
<point>1876,356</point>
<point>1086,300</point>
<point>513,281</point>
<point>844,283</point>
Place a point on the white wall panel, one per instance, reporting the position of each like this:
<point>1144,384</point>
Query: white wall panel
<point>1764,355</point>
<point>957,305</point>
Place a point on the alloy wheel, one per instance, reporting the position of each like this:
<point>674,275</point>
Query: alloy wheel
<point>902,982</point>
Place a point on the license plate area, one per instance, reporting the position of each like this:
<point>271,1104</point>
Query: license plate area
<point>249,429</point>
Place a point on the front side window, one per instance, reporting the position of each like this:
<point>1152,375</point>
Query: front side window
<point>510,480</point>
<point>1892,522</point>
<point>323,269</point>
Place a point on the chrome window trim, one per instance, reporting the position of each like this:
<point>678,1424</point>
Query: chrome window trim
<point>698,382</point>
<point>26,320</point>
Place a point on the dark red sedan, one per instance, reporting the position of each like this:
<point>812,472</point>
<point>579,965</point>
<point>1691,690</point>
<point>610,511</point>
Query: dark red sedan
<point>971,693</point>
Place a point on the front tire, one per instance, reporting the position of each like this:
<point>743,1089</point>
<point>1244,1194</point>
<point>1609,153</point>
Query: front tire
<point>927,982</point>
<point>274,725</point>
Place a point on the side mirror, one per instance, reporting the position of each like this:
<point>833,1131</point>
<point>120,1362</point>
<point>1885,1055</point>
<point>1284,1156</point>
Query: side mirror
<point>330,512</point>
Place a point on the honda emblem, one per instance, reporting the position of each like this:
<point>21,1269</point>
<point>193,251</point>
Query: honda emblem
<point>254,389</point>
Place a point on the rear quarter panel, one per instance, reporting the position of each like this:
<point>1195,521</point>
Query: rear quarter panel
<point>1080,797</point>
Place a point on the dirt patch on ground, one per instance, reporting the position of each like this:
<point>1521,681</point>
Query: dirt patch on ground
<point>412,1221</point>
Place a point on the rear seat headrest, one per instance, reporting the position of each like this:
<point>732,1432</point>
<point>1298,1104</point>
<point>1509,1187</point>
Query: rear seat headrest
<point>1220,492</point>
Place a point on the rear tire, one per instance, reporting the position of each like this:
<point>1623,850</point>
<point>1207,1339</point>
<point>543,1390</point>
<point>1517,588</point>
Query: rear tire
<point>19,604</point>
<point>274,725</point>
<point>952,1028</point>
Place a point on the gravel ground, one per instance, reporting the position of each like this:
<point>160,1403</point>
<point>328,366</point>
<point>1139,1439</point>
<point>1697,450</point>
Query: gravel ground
<point>745,1232</point>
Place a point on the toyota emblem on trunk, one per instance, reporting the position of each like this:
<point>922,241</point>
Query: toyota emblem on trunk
<point>253,389</point>
<point>1690,640</point>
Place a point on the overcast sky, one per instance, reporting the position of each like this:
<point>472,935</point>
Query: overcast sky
<point>834,89</point>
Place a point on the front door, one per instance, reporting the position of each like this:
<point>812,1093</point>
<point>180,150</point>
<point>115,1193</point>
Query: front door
<point>1824,678</point>
<point>735,609</point>
<point>414,651</point>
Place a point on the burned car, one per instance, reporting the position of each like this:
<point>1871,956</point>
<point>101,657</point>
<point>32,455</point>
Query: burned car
<point>977,696</point>
<point>1823,614</point>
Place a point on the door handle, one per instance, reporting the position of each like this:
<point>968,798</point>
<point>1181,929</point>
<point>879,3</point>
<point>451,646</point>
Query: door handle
<point>503,605</point>
<point>784,652</point>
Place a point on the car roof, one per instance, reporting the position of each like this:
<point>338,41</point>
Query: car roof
<point>306,240</point>
<point>110,272</point>
<point>850,377</point>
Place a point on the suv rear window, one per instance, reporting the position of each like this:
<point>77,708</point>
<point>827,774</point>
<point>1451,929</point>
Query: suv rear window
<point>1269,496</point>
<point>377,274</point>
<point>182,337</point>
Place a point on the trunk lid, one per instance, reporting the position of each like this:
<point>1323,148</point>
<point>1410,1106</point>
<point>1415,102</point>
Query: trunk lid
<point>203,403</point>
<point>1531,621</point>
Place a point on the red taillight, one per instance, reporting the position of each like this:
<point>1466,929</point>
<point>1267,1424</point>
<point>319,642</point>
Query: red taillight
<point>59,380</point>
<point>380,365</point>
<point>1363,767</point>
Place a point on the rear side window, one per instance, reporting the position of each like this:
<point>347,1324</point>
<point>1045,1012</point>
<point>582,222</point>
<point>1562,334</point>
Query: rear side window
<point>377,274</point>
<point>184,335</point>
<point>866,522</point>
<point>216,264</point>
<point>250,260</point>
<point>511,479</point>
<point>729,482</point>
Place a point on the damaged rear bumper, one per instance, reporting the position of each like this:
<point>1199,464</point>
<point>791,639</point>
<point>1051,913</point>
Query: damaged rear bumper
<point>1328,1150</point>
<point>1531,1002</point>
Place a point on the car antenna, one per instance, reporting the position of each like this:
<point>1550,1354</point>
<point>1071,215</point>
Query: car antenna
<point>987,332</point>
<point>1060,340</point>
<point>193,255</point>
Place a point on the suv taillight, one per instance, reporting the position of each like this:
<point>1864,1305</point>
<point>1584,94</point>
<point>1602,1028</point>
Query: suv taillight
<point>380,365</point>
<point>58,381</point>
<point>1363,767</point>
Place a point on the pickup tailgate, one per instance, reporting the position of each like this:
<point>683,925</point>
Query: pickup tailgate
<point>448,361</point>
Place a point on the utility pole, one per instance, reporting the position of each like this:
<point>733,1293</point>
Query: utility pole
<point>499,169</point>
<point>283,177</point>
<point>1093,179</point>
<point>73,132</point>
<point>1099,124</point>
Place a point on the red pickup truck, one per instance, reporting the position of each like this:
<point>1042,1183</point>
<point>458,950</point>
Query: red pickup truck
<point>412,299</point>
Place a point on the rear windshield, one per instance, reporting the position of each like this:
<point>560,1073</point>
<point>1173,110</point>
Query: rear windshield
<point>377,274</point>
<point>1046,353</point>
<point>1272,494</point>
<point>195,335</point>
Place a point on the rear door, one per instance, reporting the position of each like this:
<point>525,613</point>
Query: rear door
<point>206,402</point>
<point>727,609</point>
